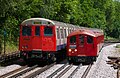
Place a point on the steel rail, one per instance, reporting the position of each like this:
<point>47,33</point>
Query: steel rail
<point>12,72</point>
<point>71,75</point>
<point>23,72</point>
<point>64,71</point>
<point>58,70</point>
<point>86,71</point>
<point>39,71</point>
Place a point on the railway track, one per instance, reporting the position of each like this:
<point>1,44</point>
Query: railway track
<point>23,72</point>
<point>34,71</point>
<point>86,71</point>
<point>65,68</point>
<point>12,72</point>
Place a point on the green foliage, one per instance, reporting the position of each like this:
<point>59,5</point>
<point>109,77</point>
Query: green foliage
<point>103,14</point>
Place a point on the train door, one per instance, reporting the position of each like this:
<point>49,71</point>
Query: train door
<point>49,38</point>
<point>36,38</point>
<point>62,38</point>
<point>81,45</point>
<point>25,37</point>
<point>89,45</point>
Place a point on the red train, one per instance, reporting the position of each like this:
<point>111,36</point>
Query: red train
<point>84,45</point>
<point>43,38</point>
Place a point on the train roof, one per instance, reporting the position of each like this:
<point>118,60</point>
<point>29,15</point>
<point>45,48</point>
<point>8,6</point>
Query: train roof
<point>88,31</point>
<point>34,21</point>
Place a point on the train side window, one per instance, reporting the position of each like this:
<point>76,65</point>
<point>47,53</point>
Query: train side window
<point>48,31</point>
<point>37,31</point>
<point>73,39</point>
<point>58,34</point>
<point>65,33</point>
<point>61,33</point>
<point>26,31</point>
<point>81,38</point>
<point>89,39</point>
<point>68,31</point>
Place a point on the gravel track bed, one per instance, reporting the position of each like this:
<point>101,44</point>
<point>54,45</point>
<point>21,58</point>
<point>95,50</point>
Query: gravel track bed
<point>9,69</point>
<point>101,69</point>
<point>49,71</point>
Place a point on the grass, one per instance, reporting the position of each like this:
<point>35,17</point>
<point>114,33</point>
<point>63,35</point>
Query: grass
<point>118,46</point>
<point>10,47</point>
<point>110,39</point>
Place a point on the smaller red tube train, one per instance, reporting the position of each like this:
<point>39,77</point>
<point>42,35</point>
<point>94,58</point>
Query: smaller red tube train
<point>84,45</point>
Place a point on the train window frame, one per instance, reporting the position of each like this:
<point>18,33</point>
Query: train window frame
<point>81,39</point>
<point>71,40</point>
<point>46,33</point>
<point>58,34</point>
<point>89,39</point>
<point>37,30</point>
<point>68,31</point>
<point>25,31</point>
<point>61,31</point>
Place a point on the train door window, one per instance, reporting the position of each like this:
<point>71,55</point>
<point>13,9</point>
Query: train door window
<point>89,39</point>
<point>73,39</point>
<point>58,34</point>
<point>81,38</point>
<point>61,33</point>
<point>65,33</point>
<point>37,31</point>
<point>26,30</point>
<point>48,31</point>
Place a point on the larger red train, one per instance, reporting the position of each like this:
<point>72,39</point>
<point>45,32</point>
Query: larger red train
<point>43,38</point>
<point>84,45</point>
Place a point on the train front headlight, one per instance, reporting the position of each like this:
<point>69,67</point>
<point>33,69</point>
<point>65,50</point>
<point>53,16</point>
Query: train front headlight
<point>26,47</point>
<point>70,50</point>
<point>75,50</point>
<point>22,47</point>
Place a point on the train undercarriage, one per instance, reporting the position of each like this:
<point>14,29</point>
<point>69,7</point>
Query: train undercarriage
<point>48,57</point>
<point>83,59</point>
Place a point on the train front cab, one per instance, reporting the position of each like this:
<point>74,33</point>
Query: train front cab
<point>37,41</point>
<point>81,48</point>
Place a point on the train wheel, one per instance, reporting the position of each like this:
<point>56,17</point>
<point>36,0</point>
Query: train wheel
<point>69,61</point>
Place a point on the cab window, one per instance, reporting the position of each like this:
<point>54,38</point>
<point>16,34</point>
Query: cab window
<point>37,31</point>
<point>48,31</point>
<point>81,38</point>
<point>26,31</point>
<point>73,39</point>
<point>89,39</point>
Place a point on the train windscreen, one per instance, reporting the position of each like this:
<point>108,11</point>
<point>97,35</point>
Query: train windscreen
<point>26,31</point>
<point>89,39</point>
<point>37,31</point>
<point>73,39</point>
<point>48,31</point>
